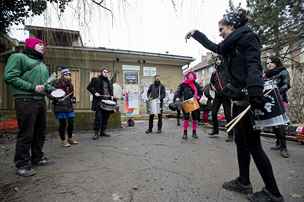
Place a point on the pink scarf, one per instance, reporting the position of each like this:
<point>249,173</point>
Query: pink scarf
<point>192,86</point>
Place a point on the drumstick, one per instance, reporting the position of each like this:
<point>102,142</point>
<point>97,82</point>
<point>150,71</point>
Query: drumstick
<point>66,96</point>
<point>240,116</point>
<point>235,118</point>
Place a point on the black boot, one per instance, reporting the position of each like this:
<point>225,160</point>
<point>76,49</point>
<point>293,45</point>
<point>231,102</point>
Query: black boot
<point>194,134</point>
<point>185,136</point>
<point>96,135</point>
<point>148,131</point>
<point>277,146</point>
<point>213,133</point>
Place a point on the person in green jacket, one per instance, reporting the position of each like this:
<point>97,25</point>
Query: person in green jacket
<point>27,77</point>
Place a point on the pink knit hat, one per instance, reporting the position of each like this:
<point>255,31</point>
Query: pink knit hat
<point>32,41</point>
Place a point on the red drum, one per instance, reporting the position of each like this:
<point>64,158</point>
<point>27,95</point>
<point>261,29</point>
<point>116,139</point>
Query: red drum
<point>275,114</point>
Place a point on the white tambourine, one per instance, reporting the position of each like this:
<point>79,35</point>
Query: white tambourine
<point>58,93</point>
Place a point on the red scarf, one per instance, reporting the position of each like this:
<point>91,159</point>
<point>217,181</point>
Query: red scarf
<point>191,83</point>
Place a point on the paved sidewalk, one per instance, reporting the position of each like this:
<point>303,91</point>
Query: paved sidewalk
<point>131,166</point>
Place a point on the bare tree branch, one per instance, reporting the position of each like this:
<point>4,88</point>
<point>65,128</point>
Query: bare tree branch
<point>100,4</point>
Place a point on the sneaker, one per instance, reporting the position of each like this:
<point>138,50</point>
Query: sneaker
<point>65,143</point>
<point>72,142</point>
<point>42,162</point>
<point>194,135</point>
<point>148,131</point>
<point>105,134</point>
<point>237,186</point>
<point>185,136</point>
<point>25,172</point>
<point>264,196</point>
<point>284,153</point>
<point>96,136</point>
<point>213,133</point>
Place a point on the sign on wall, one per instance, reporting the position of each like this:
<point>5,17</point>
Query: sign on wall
<point>150,71</point>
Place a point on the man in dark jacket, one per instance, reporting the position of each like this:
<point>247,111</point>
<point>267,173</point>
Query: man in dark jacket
<point>156,91</point>
<point>217,83</point>
<point>101,88</point>
<point>27,77</point>
<point>280,76</point>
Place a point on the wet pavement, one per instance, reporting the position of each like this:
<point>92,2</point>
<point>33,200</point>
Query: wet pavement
<point>131,166</point>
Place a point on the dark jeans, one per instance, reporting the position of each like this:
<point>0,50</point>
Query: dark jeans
<point>160,121</point>
<point>248,142</point>
<point>31,118</point>
<point>63,126</point>
<point>280,132</point>
<point>101,120</point>
<point>217,102</point>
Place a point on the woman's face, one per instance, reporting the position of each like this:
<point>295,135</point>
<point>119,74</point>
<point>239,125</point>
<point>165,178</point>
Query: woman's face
<point>67,77</point>
<point>105,73</point>
<point>191,76</point>
<point>270,65</point>
<point>39,47</point>
<point>225,30</point>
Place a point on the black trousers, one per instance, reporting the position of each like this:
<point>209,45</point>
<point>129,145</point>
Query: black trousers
<point>280,132</point>
<point>63,126</point>
<point>217,102</point>
<point>248,143</point>
<point>101,120</point>
<point>160,121</point>
<point>31,118</point>
<point>178,116</point>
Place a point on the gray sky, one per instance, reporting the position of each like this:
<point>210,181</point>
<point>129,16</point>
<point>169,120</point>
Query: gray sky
<point>143,25</point>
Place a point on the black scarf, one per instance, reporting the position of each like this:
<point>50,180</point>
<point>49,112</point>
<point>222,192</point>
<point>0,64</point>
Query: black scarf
<point>33,54</point>
<point>272,72</point>
<point>229,43</point>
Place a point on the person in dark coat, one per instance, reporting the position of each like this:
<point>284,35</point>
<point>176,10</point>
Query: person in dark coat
<point>156,91</point>
<point>176,100</point>
<point>241,52</point>
<point>63,107</point>
<point>188,89</point>
<point>217,83</point>
<point>277,72</point>
<point>102,89</point>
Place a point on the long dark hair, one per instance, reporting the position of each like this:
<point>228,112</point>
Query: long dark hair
<point>276,60</point>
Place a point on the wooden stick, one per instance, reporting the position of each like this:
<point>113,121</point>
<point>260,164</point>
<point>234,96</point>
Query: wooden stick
<point>235,118</point>
<point>240,116</point>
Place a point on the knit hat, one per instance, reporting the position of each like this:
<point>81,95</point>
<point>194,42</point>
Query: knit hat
<point>65,71</point>
<point>32,41</point>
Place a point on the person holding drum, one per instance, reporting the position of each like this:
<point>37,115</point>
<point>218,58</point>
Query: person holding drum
<point>27,77</point>
<point>217,83</point>
<point>279,74</point>
<point>189,92</point>
<point>102,90</point>
<point>156,93</point>
<point>241,52</point>
<point>63,107</point>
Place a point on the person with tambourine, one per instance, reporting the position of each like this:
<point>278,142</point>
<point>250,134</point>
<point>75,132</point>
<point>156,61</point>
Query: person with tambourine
<point>63,107</point>
<point>102,90</point>
<point>28,79</point>
<point>189,89</point>
<point>241,53</point>
<point>279,74</point>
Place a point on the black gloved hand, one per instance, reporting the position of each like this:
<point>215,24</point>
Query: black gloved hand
<point>258,102</point>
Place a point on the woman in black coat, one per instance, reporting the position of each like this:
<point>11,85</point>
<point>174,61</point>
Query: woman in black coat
<point>188,89</point>
<point>279,74</point>
<point>241,53</point>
